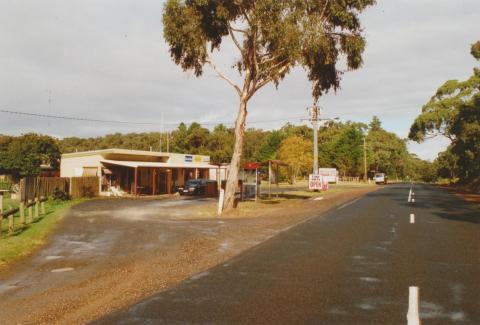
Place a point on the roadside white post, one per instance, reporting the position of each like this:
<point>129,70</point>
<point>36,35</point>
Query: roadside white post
<point>220,201</point>
<point>413,317</point>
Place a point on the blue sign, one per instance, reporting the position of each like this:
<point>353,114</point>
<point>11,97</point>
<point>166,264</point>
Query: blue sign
<point>188,158</point>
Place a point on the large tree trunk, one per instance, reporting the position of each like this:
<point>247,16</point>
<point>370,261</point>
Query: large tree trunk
<point>232,179</point>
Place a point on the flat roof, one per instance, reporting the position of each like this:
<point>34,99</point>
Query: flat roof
<point>136,164</point>
<point>122,151</point>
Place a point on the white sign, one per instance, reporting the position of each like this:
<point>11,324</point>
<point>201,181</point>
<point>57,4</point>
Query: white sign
<point>317,182</point>
<point>330,175</point>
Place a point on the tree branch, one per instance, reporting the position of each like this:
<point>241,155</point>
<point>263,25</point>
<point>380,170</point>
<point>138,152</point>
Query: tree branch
<point>238,30</point>
<point>323,10</point>
<point>223,76</point>
<point>269,79</point>
<point>234,39</point>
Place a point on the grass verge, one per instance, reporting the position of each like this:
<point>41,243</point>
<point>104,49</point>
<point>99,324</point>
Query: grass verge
<point>25,239</point>
<point>290,193</point>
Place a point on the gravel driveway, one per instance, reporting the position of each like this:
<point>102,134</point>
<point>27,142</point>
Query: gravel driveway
<point>109,253</point>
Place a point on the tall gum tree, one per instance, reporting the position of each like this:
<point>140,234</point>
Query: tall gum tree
<point>271,37</point>
<point>441,111</point>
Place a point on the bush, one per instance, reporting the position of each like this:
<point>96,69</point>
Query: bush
<point>5,186</point>
<point>60,195</point>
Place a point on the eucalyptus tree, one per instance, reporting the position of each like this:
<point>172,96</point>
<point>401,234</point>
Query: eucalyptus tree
<point>441,111</point>
<point>271,37</point>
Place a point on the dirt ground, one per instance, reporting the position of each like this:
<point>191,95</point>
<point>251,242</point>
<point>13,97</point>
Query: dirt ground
<point>110,253</point>
<point>466,194</point>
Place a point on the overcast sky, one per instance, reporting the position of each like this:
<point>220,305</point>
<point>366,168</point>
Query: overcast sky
<point>107,60</point>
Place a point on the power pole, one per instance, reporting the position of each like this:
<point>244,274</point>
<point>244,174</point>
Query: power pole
<point>314,117</point>
<point>161,133</point>
<point>365,160</point>
<point>168,141</point>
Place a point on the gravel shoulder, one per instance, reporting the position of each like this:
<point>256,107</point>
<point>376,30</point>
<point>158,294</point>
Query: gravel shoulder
<point>108,254</point>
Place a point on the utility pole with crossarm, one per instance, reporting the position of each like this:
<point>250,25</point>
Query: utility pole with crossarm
<point>314,113</point>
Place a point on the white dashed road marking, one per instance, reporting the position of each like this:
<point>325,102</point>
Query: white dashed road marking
<point>347,204</point>
<point>413,317</point>
<point>65,269</point>
<point>412,218</point>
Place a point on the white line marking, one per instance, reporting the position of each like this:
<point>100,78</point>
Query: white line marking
<point>412,218</point>
<point>410,195</point>
<point>413,200</point>
<point>65,269</point>
<point>318,198</point>
<point>347,204</point>
<point>413,317</point>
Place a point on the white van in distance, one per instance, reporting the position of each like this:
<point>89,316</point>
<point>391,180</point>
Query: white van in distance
<point>380,178</point>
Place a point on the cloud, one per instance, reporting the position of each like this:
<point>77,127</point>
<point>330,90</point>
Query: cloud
<point>108,60</point>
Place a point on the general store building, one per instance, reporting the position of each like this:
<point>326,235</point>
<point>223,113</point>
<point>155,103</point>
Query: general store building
<point>139,172</point>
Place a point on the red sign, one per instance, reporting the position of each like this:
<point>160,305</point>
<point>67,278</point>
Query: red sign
<point>252,165</point>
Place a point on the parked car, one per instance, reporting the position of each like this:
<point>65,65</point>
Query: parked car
<point>380,178</point>
<point>194,187</point>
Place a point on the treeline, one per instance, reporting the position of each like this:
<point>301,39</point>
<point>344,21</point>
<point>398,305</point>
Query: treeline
<point>341,145</point>
<point>454,112</point>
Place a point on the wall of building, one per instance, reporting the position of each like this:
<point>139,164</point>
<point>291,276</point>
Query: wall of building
<point>73,166</point>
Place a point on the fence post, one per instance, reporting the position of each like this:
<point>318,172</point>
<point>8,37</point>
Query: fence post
<point>1,202</point>
<point>30,212</point>
<point>36,208</point>
<point>42,206</point>
<point>1,222</point>
<point>11,226</point>
<point>21,209</point>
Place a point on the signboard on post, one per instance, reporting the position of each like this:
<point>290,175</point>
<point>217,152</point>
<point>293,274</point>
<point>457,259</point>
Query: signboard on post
<point>330,175</point>
<point>315,182</point>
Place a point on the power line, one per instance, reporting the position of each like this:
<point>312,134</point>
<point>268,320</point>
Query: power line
<point>60,117</point>
<point>72,118</point>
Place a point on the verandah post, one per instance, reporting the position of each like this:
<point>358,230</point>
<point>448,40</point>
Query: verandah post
<point>154,183</point>
<point>135,182</point>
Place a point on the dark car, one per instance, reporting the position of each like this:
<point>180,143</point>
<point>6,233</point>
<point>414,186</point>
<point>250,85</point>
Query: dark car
<point>194,187</point>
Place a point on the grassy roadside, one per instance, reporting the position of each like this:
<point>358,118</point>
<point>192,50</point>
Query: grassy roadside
<point>25,240</point>
<point>287,193</point>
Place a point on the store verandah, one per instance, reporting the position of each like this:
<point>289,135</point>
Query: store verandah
<point>145,178</point>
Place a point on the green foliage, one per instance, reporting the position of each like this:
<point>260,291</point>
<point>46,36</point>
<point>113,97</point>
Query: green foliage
<point>375,124</point>
<point>475,51</point>
<point>220,144</point>
<point>348,152</point>
<point>297,153</point>
<point>271,36</point>
<point>439,114</point>
<point>446,165</point>
<point>454,111</point>
<point>23,156</point>
<point>5,186</point>
<point>386,152</point>
<point>466,147</point>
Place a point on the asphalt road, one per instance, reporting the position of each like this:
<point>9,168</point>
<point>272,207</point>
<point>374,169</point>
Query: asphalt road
<point>352,266</point>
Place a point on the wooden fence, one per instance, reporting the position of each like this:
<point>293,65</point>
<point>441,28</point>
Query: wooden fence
<point>75,187</point>
<point>32,187</point>
<point>84,187</point>
<point>348,179</point>
<point>28,212</point>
